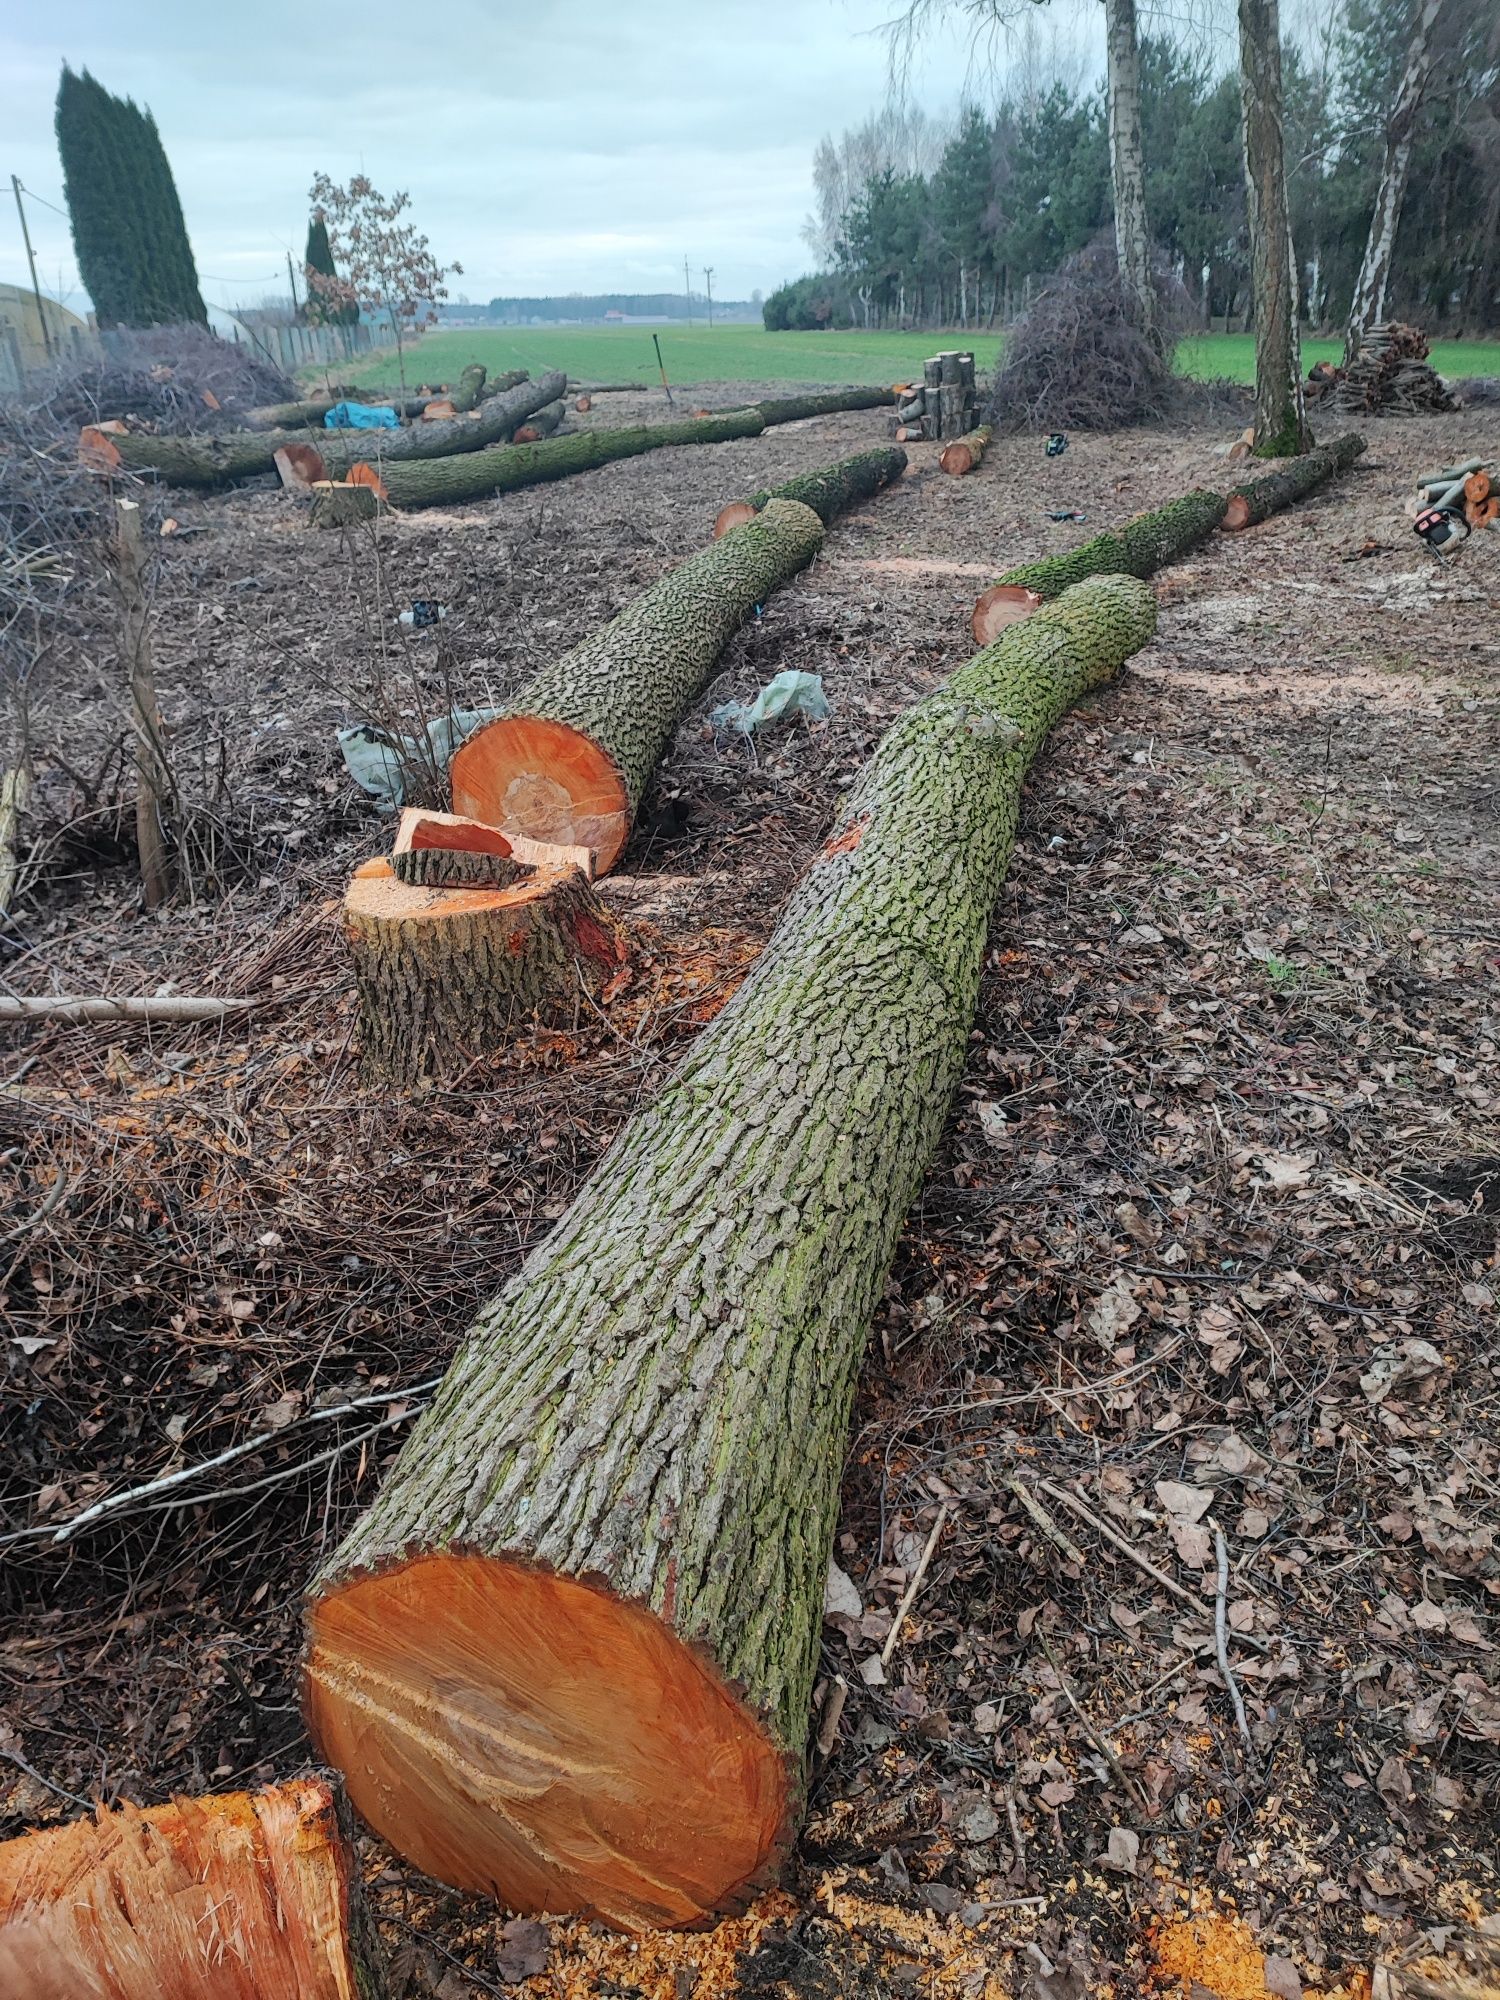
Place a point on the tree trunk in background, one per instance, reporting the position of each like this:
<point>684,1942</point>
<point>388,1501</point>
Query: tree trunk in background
<point>1368,308</point>
<point>1280,418</point>
<point>568,1654</point>
<point>1127,167</point>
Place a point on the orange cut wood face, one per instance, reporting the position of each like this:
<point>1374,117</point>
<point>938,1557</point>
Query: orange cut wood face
<point>1001,605</point>
<point>1236,514</point>
<point>95,451</point>
<point>528,1737</point>
<point>735,515</point>
<point>376,894</point>
<point>436,411</point>
<point>362,474</point>
<point>242,1897</point>
<point>419,828</point>
<point>546,781</point>
<point>300,466</point>
<point>956,458</point>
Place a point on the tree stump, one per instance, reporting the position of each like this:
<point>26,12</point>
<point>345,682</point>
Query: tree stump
<point>343,504</point>
<point>246,1896</point>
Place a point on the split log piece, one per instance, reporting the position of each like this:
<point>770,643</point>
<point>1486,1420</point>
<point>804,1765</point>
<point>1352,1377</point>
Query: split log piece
<point>220,461</point>
<point>442,482</point>
<point>829,492</point>
<point>244,1896</point>
<point>567,1656</point>
<point>572,757</point>
<point>966,452</point>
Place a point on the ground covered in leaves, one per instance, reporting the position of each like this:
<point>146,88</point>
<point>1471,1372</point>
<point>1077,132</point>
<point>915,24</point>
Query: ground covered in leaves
<point>1187,1373</point>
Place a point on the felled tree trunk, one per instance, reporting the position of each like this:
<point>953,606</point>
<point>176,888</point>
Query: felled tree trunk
<point>241,1897</point>
<point>829,492</point>
<point>447,973</point>
<point>288,416</point>
<point>220,461</point>
<point>1140,547</point>
<point>567,1656</point>
<point>541,423</point>
<point>572,758</point>
<point>1291,481</point>
<point>470,387</point>
<point>443,482</point>
<point>822,403</point>
<point>965,453</point>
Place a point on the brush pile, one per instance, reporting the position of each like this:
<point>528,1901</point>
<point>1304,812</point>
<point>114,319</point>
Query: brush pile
<point>173,378</point>
<point>1080,360</point>
<point>1389,376</point>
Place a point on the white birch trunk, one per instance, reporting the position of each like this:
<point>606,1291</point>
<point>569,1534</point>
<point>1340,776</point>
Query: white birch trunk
<point>1280,415</point>
<point>1368,308</point>
<point>1127,168</point>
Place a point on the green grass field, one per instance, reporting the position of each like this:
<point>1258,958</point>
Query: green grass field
<point>749,354</point>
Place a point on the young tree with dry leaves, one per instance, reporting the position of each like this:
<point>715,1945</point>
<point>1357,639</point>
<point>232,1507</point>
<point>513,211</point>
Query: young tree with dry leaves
<point>388,266</point>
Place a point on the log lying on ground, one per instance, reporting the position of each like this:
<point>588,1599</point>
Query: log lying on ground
<point>824,403</point>
<point>829,492</point>
<point>449,965</point>
<point>966,452</point>
<point>440,482</point>
<point>1293,479</point>
<point>541,423</point>
<point>220,461</point>
<point>567,1656</point>
<point>249,1896</point>
<point>575,752</point>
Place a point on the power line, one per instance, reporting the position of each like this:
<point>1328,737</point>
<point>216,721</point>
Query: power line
<point>45,203</point>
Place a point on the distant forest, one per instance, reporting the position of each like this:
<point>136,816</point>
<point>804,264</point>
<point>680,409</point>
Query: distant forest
<point>955,222</point>
<point>636,305</point>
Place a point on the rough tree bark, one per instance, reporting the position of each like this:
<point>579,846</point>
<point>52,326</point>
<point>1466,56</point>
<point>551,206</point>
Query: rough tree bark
<point>220,461</point>
<point>567,1656</point>
<point>238,1897</point>
<point>965,453</point>
<point>1126,163</point>
<point>338,505</point>
<point>470,387</point>
<point>153,773</point>
<point>822,403</point>
<point>1280,416</point>
<point>1368,308</point>
<point>1260,498</point>
<point>571,759</point>
<point>441,482</point>
<point>830,491</point>
<point>289,416</point>
<point>541,423</point>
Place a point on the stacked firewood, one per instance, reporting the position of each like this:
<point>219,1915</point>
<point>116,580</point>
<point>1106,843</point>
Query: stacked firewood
<point>943,404</point>
<point>1390,373</point>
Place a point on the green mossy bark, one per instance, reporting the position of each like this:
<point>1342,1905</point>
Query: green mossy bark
<point>220,461</point>
<point>546,420</point>
<point>441,482</point>
<point>835,488</point>
<point>824,403</point>
<point>470,387</point>
<point>627,687</point>
<point>1297,477</point>
<point>1166,534</point>
<point>659,1401</point>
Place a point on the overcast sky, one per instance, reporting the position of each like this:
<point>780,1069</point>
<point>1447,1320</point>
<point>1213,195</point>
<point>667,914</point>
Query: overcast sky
<point>583,145</point>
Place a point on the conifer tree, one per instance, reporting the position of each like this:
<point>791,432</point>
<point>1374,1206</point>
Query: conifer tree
<point>324,309</point>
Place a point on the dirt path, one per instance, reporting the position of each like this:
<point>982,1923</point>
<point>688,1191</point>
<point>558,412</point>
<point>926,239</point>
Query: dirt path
<point>1210,1248</point>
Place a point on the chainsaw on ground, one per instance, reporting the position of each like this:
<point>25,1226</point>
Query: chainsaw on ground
<point>1452,504</point>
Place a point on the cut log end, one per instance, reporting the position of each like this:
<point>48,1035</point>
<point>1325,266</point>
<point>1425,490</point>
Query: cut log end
<point>300,467</point>
<point>583,405</point>
<point>1001,605</point>
<point>538,1740</point>
<point>225,1898</point>
<point>1236,514</point>
<point>735,515</point>
<point>542,779</point>
<point>362,474</point>
<point>96,451</point>
<point>439,410</point>
<point>957,458</point>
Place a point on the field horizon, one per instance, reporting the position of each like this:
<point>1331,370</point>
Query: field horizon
<point>700,356</point>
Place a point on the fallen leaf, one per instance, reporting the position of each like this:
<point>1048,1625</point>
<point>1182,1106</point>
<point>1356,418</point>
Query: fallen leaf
<point>1185,1503</point>
<point>523,1950</point>
<point>1123,1850</point>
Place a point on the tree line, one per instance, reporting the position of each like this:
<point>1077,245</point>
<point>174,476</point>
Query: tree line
<point>923,222</point>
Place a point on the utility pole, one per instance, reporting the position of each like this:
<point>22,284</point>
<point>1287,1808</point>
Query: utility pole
<point>687,288</point>
<point>36,290</point>
<point>296,309</point>
<point>708,280</point>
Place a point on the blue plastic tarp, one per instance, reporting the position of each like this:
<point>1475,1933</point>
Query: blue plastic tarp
<point>361,417</point>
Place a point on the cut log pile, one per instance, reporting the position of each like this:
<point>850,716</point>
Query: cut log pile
<point>829,492</point>
<point>222,460</point>
<point>567,1657</point>
<point>247,1896</point>
<point>1389,375</point>
<point>944,404</point>
<point>1152,540</point>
